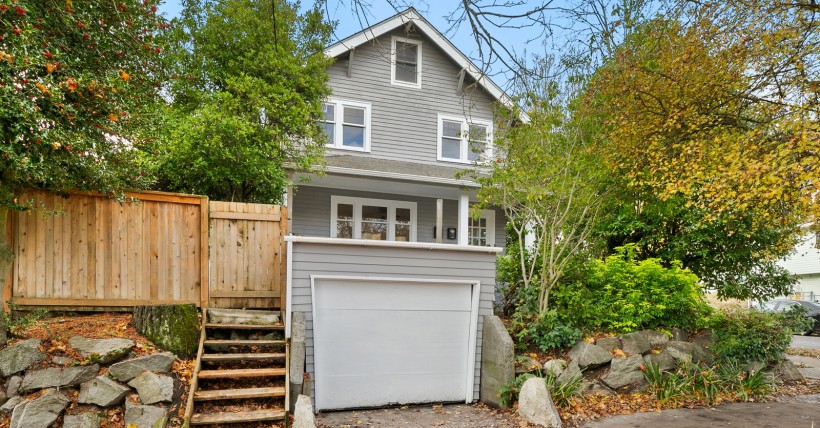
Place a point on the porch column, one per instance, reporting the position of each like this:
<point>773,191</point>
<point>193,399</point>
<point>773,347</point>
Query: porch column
<point>439,220</point>
<point>463,214</point>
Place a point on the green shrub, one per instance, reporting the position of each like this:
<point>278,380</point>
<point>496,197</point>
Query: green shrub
<point>633,295</point>
<point>545,332</point>
<point>744,335</point>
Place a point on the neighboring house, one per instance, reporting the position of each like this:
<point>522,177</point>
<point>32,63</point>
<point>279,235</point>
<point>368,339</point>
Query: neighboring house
<point>392,273</point>
<point>804,262</point>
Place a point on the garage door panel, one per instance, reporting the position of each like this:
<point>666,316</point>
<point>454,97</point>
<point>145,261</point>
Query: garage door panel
<point>394,296</point>
<point>378,343</point>
<point>384,326</point>
<point>394,389</point>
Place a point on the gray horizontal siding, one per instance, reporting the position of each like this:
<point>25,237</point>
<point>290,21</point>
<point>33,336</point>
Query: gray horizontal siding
<point>310,210</point>
<point>405,119</point>
<point>317,259</point>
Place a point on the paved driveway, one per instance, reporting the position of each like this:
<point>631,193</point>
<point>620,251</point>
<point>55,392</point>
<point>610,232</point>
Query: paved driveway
<point>806,342</point>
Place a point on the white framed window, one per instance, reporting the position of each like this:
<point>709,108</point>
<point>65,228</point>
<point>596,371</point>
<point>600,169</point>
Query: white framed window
<point>347,124</point>
<point>376,219</point>
<point>405,62</point>
<point>460,140</point>
<point>481,231</point>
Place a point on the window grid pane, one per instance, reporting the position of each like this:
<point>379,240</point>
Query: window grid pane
<point>406,62</point>
<point>450,148</point>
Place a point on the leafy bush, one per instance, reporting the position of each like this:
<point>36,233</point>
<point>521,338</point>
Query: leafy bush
<point>546,332</point>
<point>693,381</point>
<point>633,295</point>
<point>745,335</point>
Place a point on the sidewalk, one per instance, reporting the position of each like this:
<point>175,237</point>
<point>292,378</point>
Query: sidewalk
<point>800,411</point>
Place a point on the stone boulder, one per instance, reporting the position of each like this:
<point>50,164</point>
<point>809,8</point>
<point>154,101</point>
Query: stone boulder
<point>609,343</point>
<point>589,356</point>
<point>636,343</point>
<point>624,372</point>
<point>58,377</point>
<point>62,361</point>
<point>656,338</point>
<point>153,388</point>
<point>554,368</point>
<point>535,404</point>
<point>11,404</point>
<point>145,416</point>
<point>103,351</point>
<point>570,374</point>
<point>40,412</point>
<point>13,386</point>
<point>102,391</point>
<point>303,415</point>
<point>174,328</point>
<point>786,371</point>
<point>85,420</point>
<point>662,361</point>
<point>20,356</point>
<point>680,351</point>
<point>497,359</point>
<point>129,369</point>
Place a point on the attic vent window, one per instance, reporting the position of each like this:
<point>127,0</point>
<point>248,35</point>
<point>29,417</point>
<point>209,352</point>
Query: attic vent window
<point>406,62</point>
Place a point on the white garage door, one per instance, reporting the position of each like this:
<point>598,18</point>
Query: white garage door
<point>379,342</point>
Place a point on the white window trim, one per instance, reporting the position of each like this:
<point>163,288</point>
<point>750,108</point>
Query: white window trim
<point>357,214</point>
<point>465,143</point>
<point>339,117</point>
<point>393,81</point>
<point>490,216</point>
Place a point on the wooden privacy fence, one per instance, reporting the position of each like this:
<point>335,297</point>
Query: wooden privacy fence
<point>95,252</point>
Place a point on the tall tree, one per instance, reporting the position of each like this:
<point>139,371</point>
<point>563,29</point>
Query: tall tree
<point>246,98</point>
<point>546,179</point>
<point>77,84</point>
<point>711,127</point>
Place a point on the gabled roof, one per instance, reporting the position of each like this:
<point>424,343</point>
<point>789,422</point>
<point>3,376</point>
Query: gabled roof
<point>411,15</point>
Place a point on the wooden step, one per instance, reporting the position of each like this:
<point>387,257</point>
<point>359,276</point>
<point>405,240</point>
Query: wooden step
<point>245,357</point>
<point>244,342</point>
<point>233,418</point>
<point>232,394</point>
<point>246,326</point>
<point>241,373</point>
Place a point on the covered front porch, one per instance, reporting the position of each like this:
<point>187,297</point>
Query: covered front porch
<point>391,206</point>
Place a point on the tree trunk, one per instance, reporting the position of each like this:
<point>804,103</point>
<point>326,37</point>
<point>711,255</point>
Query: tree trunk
<point>6,261</point>
<point>171,327</point>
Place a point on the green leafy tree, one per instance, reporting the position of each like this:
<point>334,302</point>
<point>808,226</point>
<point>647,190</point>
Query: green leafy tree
<point>78,84</point>
<point>246,98</point>
<point>711,134</point>
<point>546,180</point>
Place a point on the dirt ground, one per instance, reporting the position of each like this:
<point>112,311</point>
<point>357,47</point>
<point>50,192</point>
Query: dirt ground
<point>437,415</point>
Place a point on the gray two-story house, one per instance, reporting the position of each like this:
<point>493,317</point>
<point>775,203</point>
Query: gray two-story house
<point>390,269</point>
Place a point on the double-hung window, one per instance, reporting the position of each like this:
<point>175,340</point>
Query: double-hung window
<point>405,62</point>
<point>460,140</point>
<point>375,219</point>
<point>347,124</point>
<point>481,231</point>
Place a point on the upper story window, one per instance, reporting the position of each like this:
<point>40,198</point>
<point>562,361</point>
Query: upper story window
<point>375,219</point>
<point>405,62</point>
<point>463,141</point>
<point>347,124</point>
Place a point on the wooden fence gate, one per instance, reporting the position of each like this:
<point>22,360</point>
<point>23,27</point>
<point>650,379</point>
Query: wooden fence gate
<point>247,255</point>
<point>93,252</point>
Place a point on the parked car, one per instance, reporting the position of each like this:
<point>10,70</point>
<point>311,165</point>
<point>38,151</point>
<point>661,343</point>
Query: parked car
<point>782,305</point>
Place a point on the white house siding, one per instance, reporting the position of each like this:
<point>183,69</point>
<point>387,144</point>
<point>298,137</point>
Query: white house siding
<point>311,213</point>
<point>399,261</point>
<point>804,262</point>
<point>405,120</point>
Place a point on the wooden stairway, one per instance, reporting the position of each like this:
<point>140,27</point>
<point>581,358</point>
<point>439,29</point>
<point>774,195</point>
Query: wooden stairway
<point>240,375</point>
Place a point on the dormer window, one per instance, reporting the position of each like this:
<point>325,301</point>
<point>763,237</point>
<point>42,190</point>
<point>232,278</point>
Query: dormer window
<point>405,62</point>
<point>347,124</point>
<point>463,141</point>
